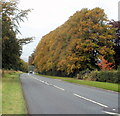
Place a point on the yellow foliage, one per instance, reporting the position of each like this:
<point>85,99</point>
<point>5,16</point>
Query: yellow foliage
<point>79,41</point>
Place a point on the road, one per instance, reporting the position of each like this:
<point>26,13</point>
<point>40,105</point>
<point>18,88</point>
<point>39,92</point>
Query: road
<point>52,96</point>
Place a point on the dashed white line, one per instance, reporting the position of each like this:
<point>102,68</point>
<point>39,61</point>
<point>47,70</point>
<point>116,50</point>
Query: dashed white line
<point>100,104</point>
<point>90,100</point>
<point>46,83</point>
<point>59,88</point>
<point>49,84</point>
<point>42,81</point>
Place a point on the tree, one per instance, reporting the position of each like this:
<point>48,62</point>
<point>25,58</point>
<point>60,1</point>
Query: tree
<point>23,66</point>
<point>76,45</point>
<point>116,40</point>
<point>105,65</point>
<point>31,59</point>
<point>11,45</point>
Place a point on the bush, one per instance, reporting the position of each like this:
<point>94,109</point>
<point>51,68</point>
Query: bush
<point>83,74</point>
<point>104,76</point>
<point>118,68</point>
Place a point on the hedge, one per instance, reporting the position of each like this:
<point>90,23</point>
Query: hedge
<point>103,76</point>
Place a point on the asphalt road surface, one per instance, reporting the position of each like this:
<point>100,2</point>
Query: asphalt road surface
<point>52,96</point>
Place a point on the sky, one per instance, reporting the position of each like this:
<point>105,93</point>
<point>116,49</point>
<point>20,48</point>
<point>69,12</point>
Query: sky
<point>47,15</point>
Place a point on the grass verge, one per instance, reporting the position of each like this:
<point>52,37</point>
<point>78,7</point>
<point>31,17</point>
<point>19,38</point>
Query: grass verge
<point>12,96</point>
<point>102,85</point>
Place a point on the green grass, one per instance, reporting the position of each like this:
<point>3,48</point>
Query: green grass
<point>12,96</point>
<point>55,77</point>
<point>102,85</point>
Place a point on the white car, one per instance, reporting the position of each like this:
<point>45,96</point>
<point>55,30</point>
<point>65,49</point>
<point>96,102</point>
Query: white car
<point>31,72</point>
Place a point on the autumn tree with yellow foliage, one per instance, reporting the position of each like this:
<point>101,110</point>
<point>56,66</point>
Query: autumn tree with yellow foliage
<point>76,45</point>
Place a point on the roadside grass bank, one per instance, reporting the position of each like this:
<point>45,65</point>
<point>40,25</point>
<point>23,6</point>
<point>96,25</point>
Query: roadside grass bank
<point>102,85</point>
<point>12,96</point>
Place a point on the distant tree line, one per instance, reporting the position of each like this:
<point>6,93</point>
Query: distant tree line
<point>81,43</point>
<point>11,45</point>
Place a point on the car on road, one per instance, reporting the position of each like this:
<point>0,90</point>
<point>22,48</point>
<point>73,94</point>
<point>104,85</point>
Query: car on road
<point>31,72</point>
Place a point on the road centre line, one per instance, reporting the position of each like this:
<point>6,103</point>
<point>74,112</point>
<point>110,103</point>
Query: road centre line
<point>100,104</point>
<point>91,100</point>
<point>49,84</point>
<point>42,81</point>
<point>59,88</point>
<point>38,79</point>
<point>46,83</point>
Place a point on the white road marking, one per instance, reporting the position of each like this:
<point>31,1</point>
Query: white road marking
<point>38,79</point>
<point>49,84</point>
<point>73,93</point>
<point>46,83</point>
<point>90,100</point>
<point>59,88</point>
<point>112,113</point>
<point>42,81</point>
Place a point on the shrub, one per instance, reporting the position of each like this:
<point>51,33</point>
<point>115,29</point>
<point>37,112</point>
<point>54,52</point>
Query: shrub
<point>104,76</point>
<point>118,68</point>
<point>83,74</point>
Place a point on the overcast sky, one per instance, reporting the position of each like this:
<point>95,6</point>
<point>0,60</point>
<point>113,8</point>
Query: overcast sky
<point>49,14</point>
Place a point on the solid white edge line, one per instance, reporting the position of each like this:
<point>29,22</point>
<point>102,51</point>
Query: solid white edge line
<point>90,100</point>
<point>59,87</point>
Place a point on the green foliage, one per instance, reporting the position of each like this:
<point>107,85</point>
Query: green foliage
<point>76,45</point>
<point>104,76</point>
<point>83,74</point>
<point>11,46</point>
<point>118,68</point>
<point>25,41</point>
<point>23,66</point>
